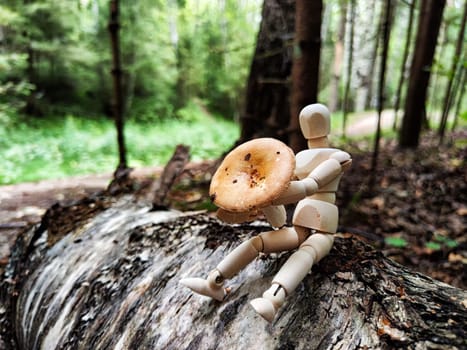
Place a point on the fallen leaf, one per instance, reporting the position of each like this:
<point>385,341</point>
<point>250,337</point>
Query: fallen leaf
<point>453,257</point>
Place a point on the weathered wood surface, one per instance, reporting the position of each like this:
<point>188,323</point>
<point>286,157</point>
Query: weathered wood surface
<point>112,283</point>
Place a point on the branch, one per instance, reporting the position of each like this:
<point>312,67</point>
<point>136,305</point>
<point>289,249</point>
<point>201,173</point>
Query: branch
<point>172,170</point>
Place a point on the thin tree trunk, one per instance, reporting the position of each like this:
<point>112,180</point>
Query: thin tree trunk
<point>365,40</point>
<point>463,81</point>
<point>345,102</point>
<point>387,24</point>
<point>455,62</point>
<point>112,282</point>
<point>404,67</point>
<point>374,58</point>
<point>435,86</point>
<point>305,68</point>
<point>428,28</point>
<point>114,27</point>
<point>338,58</point>
<point>456,88</point>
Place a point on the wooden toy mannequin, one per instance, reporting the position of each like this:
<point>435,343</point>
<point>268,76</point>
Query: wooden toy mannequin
<point>318,171</point>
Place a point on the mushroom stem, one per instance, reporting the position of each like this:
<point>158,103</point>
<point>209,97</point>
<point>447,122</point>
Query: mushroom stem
<point>235,217</point>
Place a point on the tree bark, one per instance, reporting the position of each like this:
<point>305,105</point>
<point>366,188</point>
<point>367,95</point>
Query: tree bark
<point>429,23</point>
<point>266,111</point>
<point>111,282</point>
<point>305,68</point>
<point>172,171</point>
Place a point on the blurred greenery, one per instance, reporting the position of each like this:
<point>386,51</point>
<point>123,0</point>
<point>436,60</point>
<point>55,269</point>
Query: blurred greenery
<point>184,69</point>
<point>439,241</point>
<point>398,242</point>
<point>55,56</point>
<point>59,147</point>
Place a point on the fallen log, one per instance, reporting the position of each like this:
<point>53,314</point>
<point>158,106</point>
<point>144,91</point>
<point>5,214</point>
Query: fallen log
<point>111,282</point>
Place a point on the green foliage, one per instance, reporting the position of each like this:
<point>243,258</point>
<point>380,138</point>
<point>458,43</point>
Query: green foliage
<point>214,52</point>
<point>440,241</point>
<point>171,52</point>
<point>397,242</point>
<point>70,145</point>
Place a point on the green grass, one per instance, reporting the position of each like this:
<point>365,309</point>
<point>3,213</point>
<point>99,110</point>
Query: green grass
<point>61,147</point>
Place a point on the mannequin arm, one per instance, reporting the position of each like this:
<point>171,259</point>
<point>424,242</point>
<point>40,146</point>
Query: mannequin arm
<point>323,174</point>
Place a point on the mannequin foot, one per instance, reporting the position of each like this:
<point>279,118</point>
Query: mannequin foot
<point>210,287</point>
<point>271,301</point>
<point>264,308</point>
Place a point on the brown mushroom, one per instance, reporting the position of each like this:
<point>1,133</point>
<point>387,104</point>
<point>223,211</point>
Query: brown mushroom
<point>252,175</point>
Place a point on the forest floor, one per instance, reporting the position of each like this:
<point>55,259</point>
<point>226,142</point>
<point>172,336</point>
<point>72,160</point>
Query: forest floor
<point>415,213</point>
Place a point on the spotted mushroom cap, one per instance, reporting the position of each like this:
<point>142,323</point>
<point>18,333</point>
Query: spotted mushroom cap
<point>252,175</point>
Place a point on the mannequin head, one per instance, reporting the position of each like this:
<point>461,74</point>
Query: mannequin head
<point>315,124</point>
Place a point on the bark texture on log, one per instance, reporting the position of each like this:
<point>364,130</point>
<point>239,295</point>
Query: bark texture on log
<point>112,283</point>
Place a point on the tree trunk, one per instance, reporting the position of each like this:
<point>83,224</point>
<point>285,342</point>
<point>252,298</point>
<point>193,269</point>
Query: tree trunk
<point>338,59</point>
<point>345,102</point>
<point>387,24</point>
<point>460,98</point>
<point>452,73</point>
<point>305,68</point>
<point>369,79</point>
<point>367,33</point>
<point>266,111</point>
<point>429,22</point>
<point>437,74</point>
<point>110,281</point>
<point>114,27</point>
<point>405,55</point>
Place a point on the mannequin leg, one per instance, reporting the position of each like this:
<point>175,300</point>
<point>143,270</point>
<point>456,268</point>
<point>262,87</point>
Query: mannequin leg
<point>292,273</point>
<point>286,238</point>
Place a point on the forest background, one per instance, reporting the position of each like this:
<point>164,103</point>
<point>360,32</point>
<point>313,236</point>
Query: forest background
<point>185,67</point>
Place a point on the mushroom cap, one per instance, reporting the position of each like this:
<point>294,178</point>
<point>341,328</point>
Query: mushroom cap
<point>252,175</point>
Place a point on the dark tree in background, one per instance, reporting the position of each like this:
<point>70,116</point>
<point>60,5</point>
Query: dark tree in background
<point>450,92</point>
<point>405,55</point>
<point>266,111</point>
<point>114,27</point>
<point>272,80</point>
<point>387,23</point>
<point>305,69</point>
<point>428,27</point>
<point>462,82</point>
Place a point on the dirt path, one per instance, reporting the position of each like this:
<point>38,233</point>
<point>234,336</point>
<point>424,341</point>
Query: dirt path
<point>24,204</point>
<point>365,123</point>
